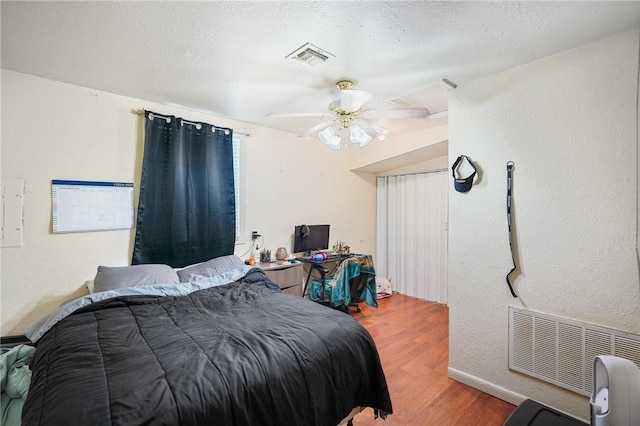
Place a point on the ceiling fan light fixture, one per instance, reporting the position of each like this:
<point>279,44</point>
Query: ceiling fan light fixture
<point>330,138</point>
<point>359,136</point>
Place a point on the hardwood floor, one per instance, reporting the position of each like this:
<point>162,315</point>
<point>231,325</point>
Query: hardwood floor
<point>412,338</point>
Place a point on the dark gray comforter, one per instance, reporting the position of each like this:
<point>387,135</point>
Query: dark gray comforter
<point>238,354</point>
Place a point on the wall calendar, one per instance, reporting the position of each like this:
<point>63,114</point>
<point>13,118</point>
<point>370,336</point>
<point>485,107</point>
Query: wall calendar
<point>82,206</point>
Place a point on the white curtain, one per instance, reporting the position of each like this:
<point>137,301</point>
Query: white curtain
<point>412,234</point>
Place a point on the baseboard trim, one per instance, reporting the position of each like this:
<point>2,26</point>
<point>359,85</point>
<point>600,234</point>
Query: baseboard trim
<point>486,387</point>
<point>495,390</point>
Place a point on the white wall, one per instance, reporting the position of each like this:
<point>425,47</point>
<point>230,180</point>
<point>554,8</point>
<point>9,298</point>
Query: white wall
<point>436,164</point>
<point>52,130</point>
<point>569,123</point>
<point>405,150</point>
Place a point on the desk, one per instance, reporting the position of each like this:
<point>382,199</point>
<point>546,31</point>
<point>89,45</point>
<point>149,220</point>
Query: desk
<point>317,265</point>
<point>287,275</point>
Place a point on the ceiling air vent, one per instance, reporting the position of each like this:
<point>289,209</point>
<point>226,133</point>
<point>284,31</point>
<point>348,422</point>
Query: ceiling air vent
<point>310,54</point>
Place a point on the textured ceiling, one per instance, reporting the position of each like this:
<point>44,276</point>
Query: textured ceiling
<point>229,58</point>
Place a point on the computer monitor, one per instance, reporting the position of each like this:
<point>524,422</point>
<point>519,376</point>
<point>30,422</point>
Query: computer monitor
<point>308,238</point>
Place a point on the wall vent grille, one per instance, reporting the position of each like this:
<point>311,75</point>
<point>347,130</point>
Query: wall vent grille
<point>561,351</point>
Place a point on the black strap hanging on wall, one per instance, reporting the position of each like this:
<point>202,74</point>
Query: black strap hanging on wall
<point>510,165</point>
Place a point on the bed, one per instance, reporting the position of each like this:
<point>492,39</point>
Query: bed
<point>223,348</point>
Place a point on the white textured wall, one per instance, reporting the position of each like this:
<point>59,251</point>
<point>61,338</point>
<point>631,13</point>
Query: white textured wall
<point>438,163</point>
<point>52,130</point>
<point>568,122</point>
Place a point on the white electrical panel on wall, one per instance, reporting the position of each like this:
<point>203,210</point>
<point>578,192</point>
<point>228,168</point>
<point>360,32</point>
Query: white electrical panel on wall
<point>11,210</point>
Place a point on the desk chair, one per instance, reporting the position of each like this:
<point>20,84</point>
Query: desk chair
<point>345,287</point>
<point>322,298</point>
<point>356,286</point>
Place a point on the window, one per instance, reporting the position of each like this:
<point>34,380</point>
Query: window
<point>237,139</point>
<point>181,226</point>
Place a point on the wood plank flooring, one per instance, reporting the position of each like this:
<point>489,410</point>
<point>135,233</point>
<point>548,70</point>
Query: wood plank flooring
<point>412,337</point>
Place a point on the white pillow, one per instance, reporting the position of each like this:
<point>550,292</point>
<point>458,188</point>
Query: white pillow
<point>210,268</point>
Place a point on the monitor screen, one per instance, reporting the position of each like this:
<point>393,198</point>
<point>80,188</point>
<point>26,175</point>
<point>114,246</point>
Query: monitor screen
<point>307,238</point>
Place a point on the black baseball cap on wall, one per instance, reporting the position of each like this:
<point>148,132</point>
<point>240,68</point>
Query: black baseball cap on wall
<point>463,184</point>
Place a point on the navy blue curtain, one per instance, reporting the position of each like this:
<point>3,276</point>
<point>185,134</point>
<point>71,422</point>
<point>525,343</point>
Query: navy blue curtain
<point>186,211</point>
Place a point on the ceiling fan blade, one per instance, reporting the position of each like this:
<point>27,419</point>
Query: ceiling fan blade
<point>440,114</point>
<point>299,114</point>
<point>396,113</point>
<point>353,99</point>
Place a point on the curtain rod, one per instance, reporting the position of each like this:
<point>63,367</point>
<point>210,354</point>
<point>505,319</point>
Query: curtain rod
<point>141,112</point>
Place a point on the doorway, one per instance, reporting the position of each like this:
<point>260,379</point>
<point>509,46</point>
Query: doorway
<point>411,246</point>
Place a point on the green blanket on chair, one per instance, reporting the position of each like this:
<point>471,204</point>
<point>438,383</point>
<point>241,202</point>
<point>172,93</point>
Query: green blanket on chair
<point>15,377</point>
<point>337,288</point>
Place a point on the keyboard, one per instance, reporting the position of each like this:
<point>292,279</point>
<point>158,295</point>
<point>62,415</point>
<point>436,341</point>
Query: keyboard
<point>338,256</point>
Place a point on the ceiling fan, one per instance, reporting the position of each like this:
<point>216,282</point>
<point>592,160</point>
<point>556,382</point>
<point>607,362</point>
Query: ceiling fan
<point>349,115</point>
